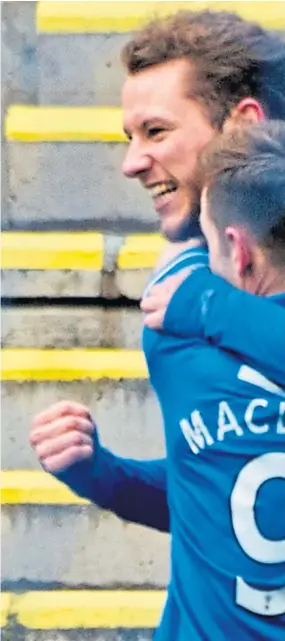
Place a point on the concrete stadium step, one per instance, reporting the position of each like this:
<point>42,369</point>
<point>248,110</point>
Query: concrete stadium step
<point>126,413</point>
<point>87,17</point>
<point>84,67</point>
<point>85,610</point>
<point>77,264</point>
<point>67,547</point>
<point>65,327</point>
<point>19,53</point>
<point>68,184</point>
<point>50,537</point>
<point>67,365</point>
<point>96,195</point>
<point>73,185</point>
<point>81,69</point>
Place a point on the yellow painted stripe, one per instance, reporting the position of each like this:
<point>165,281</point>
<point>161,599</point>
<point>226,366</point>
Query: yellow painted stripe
<point>6,599</point>
<point>71,364</point>
<point>140,251</point>
<point>67,610</point>
<point>36,487</point>
<point>52,250</point>
<point>75,250</point>
<point>63,124</point>
<point>88,17</point>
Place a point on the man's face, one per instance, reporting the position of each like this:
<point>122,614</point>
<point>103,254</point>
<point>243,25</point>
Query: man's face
<point>167,131</point>
<point>221,258</point>
<point>234,255</point>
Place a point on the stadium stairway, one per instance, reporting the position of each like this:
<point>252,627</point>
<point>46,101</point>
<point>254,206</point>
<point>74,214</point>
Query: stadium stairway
<point>78,245</point>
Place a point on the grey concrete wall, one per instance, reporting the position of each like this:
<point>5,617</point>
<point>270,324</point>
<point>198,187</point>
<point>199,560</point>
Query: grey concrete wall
<point>109,284</point>
<point>73,185</point>
<point>53,284</point>
<point>98,549</point>
<point>126,412</point>
<point>79,546</point>
<point>81,69</point>
<point>19,52</point>
<point>64,185</point>
<point>19,73</point>
<point>68,327</point>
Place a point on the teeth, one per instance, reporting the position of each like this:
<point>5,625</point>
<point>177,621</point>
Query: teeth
<point>162,188</point>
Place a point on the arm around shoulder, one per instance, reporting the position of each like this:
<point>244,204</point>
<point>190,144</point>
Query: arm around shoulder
<point>253,327</point>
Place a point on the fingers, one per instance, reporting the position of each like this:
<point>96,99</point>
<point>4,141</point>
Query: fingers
<point>60,426</point>
<point>63,408</point>
<point>154,320</point>
<point>154,308</point>
<point>51,447</point>
<point>154,305</point>
<point>161,294</point>
<point>61,462</point>
<point>174,281</point>
<point>62,435</point>
<point>153,302</point>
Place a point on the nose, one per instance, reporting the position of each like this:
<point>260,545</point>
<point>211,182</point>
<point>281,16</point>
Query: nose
<point>136,160</point>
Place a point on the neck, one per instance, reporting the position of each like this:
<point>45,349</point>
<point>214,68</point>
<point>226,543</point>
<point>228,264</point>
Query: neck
<point>189,228</point>
<point>271,282</point>
<point>265,279</point>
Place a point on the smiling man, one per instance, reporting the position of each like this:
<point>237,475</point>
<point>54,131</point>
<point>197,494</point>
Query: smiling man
<point>189,77</point>
<point>166,131</point>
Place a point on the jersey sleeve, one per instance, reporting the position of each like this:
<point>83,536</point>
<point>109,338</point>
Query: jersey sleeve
<point>134,490</point>
<point>252,327</point>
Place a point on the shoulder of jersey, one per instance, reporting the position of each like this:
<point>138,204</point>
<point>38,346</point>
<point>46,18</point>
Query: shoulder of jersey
<point>195,257</point>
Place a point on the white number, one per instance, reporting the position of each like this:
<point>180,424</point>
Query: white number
<point>259,548</point>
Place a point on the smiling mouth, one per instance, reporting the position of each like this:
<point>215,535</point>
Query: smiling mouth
<point>161,189</point>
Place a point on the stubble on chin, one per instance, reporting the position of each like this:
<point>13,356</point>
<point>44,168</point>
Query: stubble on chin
<point>188,228</point>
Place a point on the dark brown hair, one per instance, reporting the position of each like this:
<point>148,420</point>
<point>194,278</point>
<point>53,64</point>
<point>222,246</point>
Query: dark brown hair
<point>232,59</point>
<point>244,173</point>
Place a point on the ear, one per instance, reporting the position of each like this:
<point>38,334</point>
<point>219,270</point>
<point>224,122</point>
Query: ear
<point>241,250</point>
<point>248,110</point>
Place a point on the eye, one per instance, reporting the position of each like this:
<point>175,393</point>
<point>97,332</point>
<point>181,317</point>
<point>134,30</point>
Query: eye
<point>156,132</point>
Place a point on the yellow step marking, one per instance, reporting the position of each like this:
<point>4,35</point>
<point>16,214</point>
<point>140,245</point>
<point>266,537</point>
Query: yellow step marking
<point>88,17</point>
<point>35,487</point>
<point>52,250</point>
<point>63,124</point>
<point>140,251</point>
<point>71,364</point>
<point>71,609</point>
<point>75,250</point>
<point>6,599</point>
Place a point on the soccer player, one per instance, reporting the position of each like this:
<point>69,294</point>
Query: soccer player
<point>224,421</point>
<point>188,77</point>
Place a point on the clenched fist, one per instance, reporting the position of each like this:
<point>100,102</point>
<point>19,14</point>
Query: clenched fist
<point>62,435</point>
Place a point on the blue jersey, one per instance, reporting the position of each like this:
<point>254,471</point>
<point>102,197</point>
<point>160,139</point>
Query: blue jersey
<point>205,305</point>
<point>225,439</point>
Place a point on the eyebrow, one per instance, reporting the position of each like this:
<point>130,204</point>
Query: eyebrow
<point>154,120</point>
